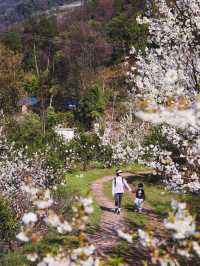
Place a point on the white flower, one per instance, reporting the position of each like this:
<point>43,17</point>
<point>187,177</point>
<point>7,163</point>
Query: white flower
<point>184,253</point>
<point>43,204</point>
<point>29,218</point>
<point>22,237</point>
<point>87,204</point>
<point>196,247</point>
<point>125,236</point>
<point>144,238</point>
<point>183,223</point>
<point>64,227</point>
<point>52,219</point>
<point>32,257</point>
<point>89,209</point>
<point>132,51</point>
<point>88,251</point>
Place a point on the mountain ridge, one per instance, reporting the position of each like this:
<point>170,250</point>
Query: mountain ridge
<point>14,11</point>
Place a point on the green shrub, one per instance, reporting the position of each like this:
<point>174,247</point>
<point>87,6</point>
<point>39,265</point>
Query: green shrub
<point>8,222</point>
<point>55,118</point>
<point>64,196</point>
<point>14,259</point>
<point>87,147</point>
<point>155,137</point>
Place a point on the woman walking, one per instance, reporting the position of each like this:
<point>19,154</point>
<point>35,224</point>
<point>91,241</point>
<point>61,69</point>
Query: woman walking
<point>118,186</point>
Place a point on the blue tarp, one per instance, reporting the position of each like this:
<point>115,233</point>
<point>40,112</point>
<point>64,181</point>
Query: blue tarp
<point>28,101</point>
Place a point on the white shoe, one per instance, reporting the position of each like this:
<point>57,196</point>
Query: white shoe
<point>118,211</point>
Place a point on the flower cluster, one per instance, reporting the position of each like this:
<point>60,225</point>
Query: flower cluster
<point>16,168</point>
<point>165,87</point>
<point>44,213</point>
<point>183,241</point>
<point>183,238</point>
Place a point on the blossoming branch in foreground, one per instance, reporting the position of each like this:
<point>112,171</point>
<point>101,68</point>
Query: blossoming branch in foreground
<point>66,256</point>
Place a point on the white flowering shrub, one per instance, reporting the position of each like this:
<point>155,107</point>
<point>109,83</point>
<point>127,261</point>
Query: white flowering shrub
<point>16,169</point>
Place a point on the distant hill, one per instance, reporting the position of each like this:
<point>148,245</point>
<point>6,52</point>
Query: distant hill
<point>13,11</point>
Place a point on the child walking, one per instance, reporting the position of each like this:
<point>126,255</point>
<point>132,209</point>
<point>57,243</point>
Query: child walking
<point>118,185</point>
<point>139,198</point>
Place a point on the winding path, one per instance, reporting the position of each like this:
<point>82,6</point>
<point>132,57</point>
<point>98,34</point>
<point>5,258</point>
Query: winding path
<point>105,237</point>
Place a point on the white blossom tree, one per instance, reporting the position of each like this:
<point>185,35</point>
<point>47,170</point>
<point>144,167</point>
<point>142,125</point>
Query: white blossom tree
<point>166,88</point>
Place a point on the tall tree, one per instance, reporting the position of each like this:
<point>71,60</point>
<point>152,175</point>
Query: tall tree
<point>10,79</point>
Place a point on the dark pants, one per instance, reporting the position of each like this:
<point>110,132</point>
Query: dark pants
<point>118,200</point>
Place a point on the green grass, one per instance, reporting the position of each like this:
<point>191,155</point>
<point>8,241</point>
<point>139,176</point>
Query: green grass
<point>80,182</point>
<point>157,197</point>
<point>14,259</point>
<point>136,168</point>
<point>160,199</point>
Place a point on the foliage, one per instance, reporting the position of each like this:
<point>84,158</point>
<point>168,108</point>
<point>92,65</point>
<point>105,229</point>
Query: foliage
<point>29,136</point>
<point>155,137</point>
<point>31,83</point>
<point>66,119</point>
<point>10,79</point>
<point>11,259</point>
<point>8,222</point>
<point>125,32</point>
<point>91,107</point>
<point>87,142</point>
<point>13,41</point>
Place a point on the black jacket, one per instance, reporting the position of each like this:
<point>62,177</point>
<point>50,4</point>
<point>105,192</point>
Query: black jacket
<point>140,193</point>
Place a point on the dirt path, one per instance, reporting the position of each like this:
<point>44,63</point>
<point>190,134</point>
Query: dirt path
<point>105,238</point>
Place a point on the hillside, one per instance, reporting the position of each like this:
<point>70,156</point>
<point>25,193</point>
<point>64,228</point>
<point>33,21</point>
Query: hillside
<point>13,11</point>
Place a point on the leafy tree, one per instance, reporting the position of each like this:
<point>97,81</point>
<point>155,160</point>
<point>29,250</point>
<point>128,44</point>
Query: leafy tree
<point>92,107</point>
<point>86,148</point>
<point>125,32</point>
<point>12,39</point>
<point>55,118</point>
<point>119,6</point>
<point>31,83</point>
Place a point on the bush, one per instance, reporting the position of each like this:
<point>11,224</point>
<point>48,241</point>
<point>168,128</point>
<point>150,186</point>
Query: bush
<point>87,147</point>
<point>8,222</point>
<point>14,259</point>
<point>55,118</point>
<point>28,135</point>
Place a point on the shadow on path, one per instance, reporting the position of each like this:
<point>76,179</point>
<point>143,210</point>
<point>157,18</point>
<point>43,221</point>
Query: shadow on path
<point>104,208</point>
